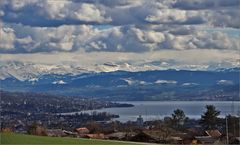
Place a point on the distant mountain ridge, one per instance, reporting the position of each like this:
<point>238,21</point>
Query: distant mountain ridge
<point>142,85</point>
<point>32,72</point>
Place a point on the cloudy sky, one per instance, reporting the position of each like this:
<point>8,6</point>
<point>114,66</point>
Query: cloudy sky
<point>87,32</point>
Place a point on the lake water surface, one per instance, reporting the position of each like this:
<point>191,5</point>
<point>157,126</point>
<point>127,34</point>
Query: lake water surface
<point>151,110</point>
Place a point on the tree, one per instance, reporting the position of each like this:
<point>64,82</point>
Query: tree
<point>233,124</point>
<point>178,118</point>
<point>209,120</point>
<point>94,127</point>
<point>32,128</point>
<point>36,129</point>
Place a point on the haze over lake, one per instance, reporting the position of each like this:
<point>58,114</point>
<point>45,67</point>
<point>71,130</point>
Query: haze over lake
<point>151,110</point>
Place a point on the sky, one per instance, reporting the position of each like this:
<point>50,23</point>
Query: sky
<point>199,33</point>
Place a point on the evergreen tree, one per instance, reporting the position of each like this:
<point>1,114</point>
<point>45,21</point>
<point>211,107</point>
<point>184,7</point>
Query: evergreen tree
<point>233,125</point>
<point>209,120</point>
<point>178,118</point>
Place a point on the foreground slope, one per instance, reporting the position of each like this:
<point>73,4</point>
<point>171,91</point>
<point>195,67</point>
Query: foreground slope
<point>11,138</point>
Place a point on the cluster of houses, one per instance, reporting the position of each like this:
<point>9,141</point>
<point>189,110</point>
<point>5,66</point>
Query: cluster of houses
<point>148,134</point>
<point>214,137</point>
<point>78,132</point>
<point>139,131</point>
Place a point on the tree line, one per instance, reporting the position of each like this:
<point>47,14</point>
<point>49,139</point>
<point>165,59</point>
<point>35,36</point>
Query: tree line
<point>209,120</point>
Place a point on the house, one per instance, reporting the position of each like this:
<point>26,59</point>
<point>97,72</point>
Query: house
<point>213,133</point>
<point>39,130</point>
<point>120,135</point>
<point>117,136</point>
<point>175,140</point>
<point>236,141</point>
<point>55,133</point>
<point>82,130</point>
<point>193,131</point>
<point>181,138</point>
<point>206,140</point>
<point>210,137</point>
<point>144,137</point>
<point>95,136</point>
<point>69,133</point>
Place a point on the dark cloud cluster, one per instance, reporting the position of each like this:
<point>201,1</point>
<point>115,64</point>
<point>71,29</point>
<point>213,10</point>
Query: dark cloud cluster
<point>26,39</point>
<point>121,12</point>
<point>30,26</point>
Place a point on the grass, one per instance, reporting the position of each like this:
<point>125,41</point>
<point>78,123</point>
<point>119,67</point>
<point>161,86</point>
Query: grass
<point>12,138</point>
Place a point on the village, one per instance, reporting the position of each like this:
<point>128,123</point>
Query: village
<point>175,129</point>
<point>39,114</point>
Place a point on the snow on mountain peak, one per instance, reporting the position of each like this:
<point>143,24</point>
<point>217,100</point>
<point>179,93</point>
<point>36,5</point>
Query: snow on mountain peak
<point>166,82</point>
<point>30,71</point>
<point>60,82</point>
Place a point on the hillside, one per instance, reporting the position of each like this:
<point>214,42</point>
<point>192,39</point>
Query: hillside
<point>9,138</point>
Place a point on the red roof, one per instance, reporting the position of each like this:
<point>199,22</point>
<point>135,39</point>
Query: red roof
<point>95,136</point>
<point>82,130</point>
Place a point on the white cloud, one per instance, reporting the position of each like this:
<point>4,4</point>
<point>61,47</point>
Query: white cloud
<point>54,9</point>
<point>2,13</point>
<point>70,30</point>
<point>90,13</point>
<point>26,39</point>
<point>18,5</point>
<point>216,40</point>
<point>66,10</point>
<point>7,38</point>
<point>218,13</point>
<point>173,16</point>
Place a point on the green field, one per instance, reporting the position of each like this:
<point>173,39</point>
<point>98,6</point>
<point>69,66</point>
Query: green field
<point>11,138</point>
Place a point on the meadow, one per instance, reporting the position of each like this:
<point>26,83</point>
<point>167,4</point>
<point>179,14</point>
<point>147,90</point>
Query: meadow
<point>12,138</point>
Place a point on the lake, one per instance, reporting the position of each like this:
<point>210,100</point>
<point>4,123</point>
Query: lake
<point>151,110</point>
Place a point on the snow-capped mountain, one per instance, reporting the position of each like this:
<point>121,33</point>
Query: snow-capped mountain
<point>127,85</point>
<point>123,81</point>
<point>29,71</point>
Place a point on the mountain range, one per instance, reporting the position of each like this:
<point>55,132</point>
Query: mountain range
<point>108,81</point>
